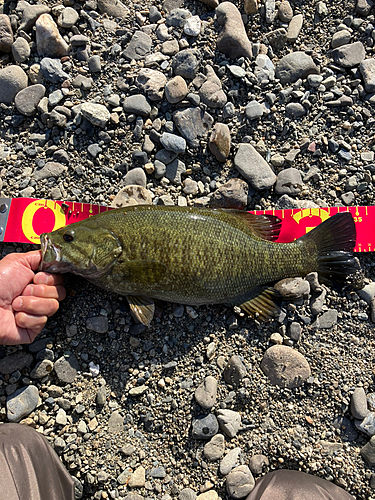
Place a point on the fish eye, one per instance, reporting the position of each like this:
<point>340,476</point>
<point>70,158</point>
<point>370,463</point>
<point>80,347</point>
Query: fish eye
<point>68,236</point>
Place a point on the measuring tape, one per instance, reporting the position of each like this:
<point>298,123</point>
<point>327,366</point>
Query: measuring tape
<point>22,220</point>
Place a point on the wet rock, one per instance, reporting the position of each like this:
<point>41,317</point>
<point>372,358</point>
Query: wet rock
<point>49,42</point>
<point>193,123</point>
<point>232,194</point>
<point>138,47</point>
<point>289,181</point>
<point>215,448</point>
<point>232,39</point>
<point>6,34</point>
<point>176,90</point>
<point>113,8</point>
<point>21,403</point>
<point>205,427</point>
<point>358,403</point>
<point>205,394</point>
<point>285,367</point>
<point>152,82</point>
<point>254,167</point>
<point>66,368</point>
<point>13,79</point>
<point>234,371</point>
<point>229,422</point>
<point>294,66</point>
<point>185,64</point>
<point>229,461</point>
<point>239,482</point>
<point>97,114</point>
<point>50,169</point>
<point>349,55</point>
<point>27,100</point>
<point>132,195</point>
<point>220,141</point>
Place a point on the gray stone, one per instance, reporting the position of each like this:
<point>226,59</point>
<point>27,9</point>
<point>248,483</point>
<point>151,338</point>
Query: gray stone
<point>138,47</point>
<point>270,8</point>
<point>294,66</point>
<point>363,7</point>
<point>97,114</point>
<point>192,26</point>
<point>232,39</point>
<point>152,82</point>
<point>13,79</point>
<point>190,187</point>
<point>6,34</point>
<point>214,449</point>
<point>132,195</point>
<point>236,70</point>
<point>138,478</point>
<point>154,15</point>
<point>115,422</point>
<point>294,28</point>
<point>253,167</point>
<point>368,452</point>
<point>232,194</point>
<point>137,104</point>
<point>285,367</point>
<point>173,142</point>
<point>176,89</point>
<point>295,110</point>
<point>21,403</point>
<point>367,293</point>
<point>61,417</point>
<point>113,8</point>
<point>349,55</point>
<point>165,156</point>
<point>229,421</point>
<point>52,70</point>
<point>293,288</point>
<point>160,169</point>
<point>229,461</point>
<point>16,361</point>
<point>234,371</point>
<point>277,38</point>
<point>42,369</point>
<point>340,38</point>
<point>327,319</point>
<point>185,64</point>
<point>30,14</point>
<point>285,12</point>
<point>204,427</point>
<point>193,123</point>
<point>66,368</point>
<point>367,425</point>
<point>94,64</point>
<point>50,169</point>
<point>27,100</point>
<point>98,324</point>
<point>68,17</point>
<point>21,50</point>
<point>254,110</point>
<point>289,181</point>
<point>174,171</point>
<point>187,494</point>
<point>212,95</point>
<point>358,403</point>
<point>82,82</point>
<point>177,17</point>
<point>135,176</point>
<point>367,69</point>
<point>257,463</point>
<point>220,141</point>
<point>206,393</point>
<point>239,482</point>
<point>49,42</point>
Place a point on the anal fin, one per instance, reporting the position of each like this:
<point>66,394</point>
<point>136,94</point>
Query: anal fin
<point>142,309</point>
<point>264,304</point>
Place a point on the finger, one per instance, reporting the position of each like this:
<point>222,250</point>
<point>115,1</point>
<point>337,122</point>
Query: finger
<point>30,322</point>
<point>32,259</point>
<point>35,305</point>
<point>43,291</point>
<point>48,279</point>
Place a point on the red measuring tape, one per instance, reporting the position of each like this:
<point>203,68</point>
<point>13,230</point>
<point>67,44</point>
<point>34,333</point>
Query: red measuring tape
<point>22,220</point>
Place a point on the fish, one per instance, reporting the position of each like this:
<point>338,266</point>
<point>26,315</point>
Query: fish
<point>197,256</point>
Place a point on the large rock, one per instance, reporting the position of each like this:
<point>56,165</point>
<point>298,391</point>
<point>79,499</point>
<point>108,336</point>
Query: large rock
<point>6,34</point>
<point>113,8</point>
<point>254,167</point>
<point>95,113</point>
<point>12,80</point>
<point>28,99</point>
<point>30,14</point>
<point>349,55</point>
<point>152,82</point>
<point>22,402</point>
<point>285,367</point>
<point>232,39</point>
<point>193,123</point>
<point>367,69</point>
<point>138,47</point>
<point>49,42</point>
<point>220,141</point>
<point>294,66</point>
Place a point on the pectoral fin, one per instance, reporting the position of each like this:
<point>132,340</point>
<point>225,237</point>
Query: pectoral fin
<point>263,304</point>
<point>141,308</point>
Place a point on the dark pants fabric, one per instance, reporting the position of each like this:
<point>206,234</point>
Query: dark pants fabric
<point>294,485</point>
<point>29,467</point>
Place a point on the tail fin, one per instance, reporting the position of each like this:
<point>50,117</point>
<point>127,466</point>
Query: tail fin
<point>334,240</point>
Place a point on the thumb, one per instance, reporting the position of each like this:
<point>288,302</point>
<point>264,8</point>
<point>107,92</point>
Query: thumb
<point>33,259</point>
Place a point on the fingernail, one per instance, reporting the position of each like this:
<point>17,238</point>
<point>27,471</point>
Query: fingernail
<point>17,303</point>
<point>42,278</point>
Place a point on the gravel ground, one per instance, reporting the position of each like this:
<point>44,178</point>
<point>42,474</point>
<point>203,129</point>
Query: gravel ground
<point>118,401</point>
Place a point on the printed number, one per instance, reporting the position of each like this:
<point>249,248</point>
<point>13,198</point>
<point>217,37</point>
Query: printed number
<point>357,219</point>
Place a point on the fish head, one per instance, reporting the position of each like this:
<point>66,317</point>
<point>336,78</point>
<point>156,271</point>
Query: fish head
<point>80,249</point>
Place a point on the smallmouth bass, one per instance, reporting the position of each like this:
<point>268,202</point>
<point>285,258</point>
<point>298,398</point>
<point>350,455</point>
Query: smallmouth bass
<point>197,256</point>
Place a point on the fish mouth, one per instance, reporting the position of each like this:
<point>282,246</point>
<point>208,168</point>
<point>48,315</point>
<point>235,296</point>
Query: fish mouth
<point>51,256</point>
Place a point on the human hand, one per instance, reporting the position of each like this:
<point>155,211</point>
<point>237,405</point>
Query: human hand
<point>26,299</point>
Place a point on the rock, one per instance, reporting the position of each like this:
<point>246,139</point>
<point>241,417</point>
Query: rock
<point>42,369</point>
<point>113,8</point>
<point>367,69</point>
<point>137,104</point>
<point>49,42</point>
<point>327,319</point>
<point>294,66</point>
<point>363,7</point>
<point>138,47</point>
<point>232,39</point>
<point>270,11</point>
<point>295,110</point>
<point>234,371</point>
<point>94,64</point>
<point>358,403</point>
<point>27,100</point>
<point>257,463</point>
<point>185,64</point>
<point>176,90</point>
<point>368,452</point>
<point>66,368</point>
<point>285,367</point>
<point>30,14</point>
<point>98,324</point>
<point>204,427</point>
<point>190,187</point>
<point>177,17</point>
<point>97,114</point>
<point>52,70</point>
<point>192,123</point>
<point>211,92</point>
<point>229,461</point>
<point>232,194</point>
<point>192,26</point>
<point>349,55</point>
<point>68,17</point>
<point>239,482</point>
<point>214,449</point>
<point>173,142</point>
<point>50,169</point>
<point>340,38</point>
<point>170,47</point>
<point>254,110</point>
<point>208,495</point>
<point>205,394</point>
<point>253,167</point>
<point>13,79</point>
<point>289,181</point>
<point>135,176</point>
<point>15,362</point>
<point>174,171</point>
<point>21,403</point>
<point>138,478</point>
<point>251,7</point>
<point>20,50</point>
<point>229,422</point>
<point>152,82</point>
<point>211,3</point>
<point>6,34</point>
<point>367,425</point>
<point>285,12</point>
<point>277,38</point>
<point>293,288</point>
<point>294,28</point>
<point>132,195</point>
<point>220,141</point>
